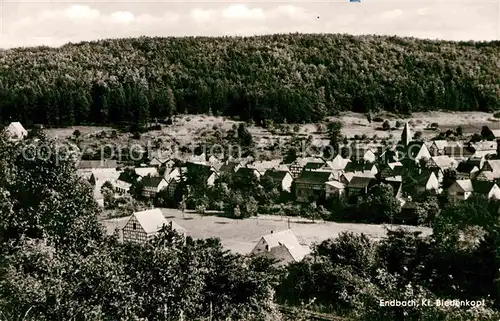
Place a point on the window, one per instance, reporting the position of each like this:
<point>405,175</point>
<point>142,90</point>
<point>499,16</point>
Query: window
<point>267,247</point>
<point>134,226</point>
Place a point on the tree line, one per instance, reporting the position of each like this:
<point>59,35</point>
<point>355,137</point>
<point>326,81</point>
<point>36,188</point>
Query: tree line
<point>285,77</point>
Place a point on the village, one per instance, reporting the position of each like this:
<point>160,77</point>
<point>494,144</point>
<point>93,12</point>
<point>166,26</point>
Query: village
<point>451,168</point>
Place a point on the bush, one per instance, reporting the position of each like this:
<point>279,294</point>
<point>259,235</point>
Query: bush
<point>386,125</point>
<point>378,119</point>
<point>496,114</point>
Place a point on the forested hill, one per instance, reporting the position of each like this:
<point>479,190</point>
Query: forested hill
<point>294,77</point>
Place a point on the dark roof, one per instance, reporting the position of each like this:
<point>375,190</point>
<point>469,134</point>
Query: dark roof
<point>313,177</point>
<point>482,187</point>
<point>245,172</point>
<point>151,181</point>
<point>361,182</point>
<point>229,167</point>
<point>313,165</point>
<point>358,167</point>
<point>276,174</point>
<point>386,171</point>
<point>395,186</point>
<point>423,177</point>
<point>128,177</point>
<point>89,164</point>
<point>457,151</point>
<point>465,167</point>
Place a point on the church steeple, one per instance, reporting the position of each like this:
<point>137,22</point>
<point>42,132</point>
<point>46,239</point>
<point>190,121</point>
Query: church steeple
<point>406,135</point>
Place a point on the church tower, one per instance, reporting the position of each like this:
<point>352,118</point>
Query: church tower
<point>406,135</point>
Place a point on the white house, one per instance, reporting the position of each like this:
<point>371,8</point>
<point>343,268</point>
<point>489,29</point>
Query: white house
<point>428,181</point>
<point>16,131</point>
<point>460,190</point>
<point>146,171</point>
<point>282,246</point>
<point>283,178</point>
<point>487,189</point>
<point>143,226</point>
<point>153,185</point>
<point>334,188</point>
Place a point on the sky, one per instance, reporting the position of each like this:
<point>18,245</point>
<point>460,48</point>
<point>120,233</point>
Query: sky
<point>54,23</point>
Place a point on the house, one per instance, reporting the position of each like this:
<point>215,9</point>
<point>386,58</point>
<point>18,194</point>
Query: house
<point>98,179</point>
<point>311,184</point>
<point>157,162</point>
<point>229,167</point>
<point>283,247</point>
<point>346,178</point>
<point>146,171</point>
<point>280,177</point>
<point>484,148</point>
<point>145,225</point>
<point>442,163</point>
<point>16,131</point>
<point>469,169</point>
<point>354,167</point>
<point>391,171</point>
<point>334,189</point>
<point>246,173</point>
<point>202,172</point>
<point>415,150</point>
<point>493,166</point>
<point>124,182</point>
<point>459,152</point>
<point>297,166</point>
<point>460,190</point>
<point>263,166</point>
<point>337,165</point>
<point>437,147</point>
<point>487,189</point>
<point>427,181</point>
<point>87,167</point>
<point>363,155</point>
<point>153,185</point>
<point>359,185</point>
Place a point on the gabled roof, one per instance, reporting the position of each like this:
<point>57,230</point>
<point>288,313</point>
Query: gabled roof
<point>443,161</point>
<point>127,177</point>
<point>289,240</point>
<point>482,187</point>
<point>96,164</point>
<point>361,182</point>
<point>277,175</point>
<point>313,177</point>
<point>16,129</point>
<point>314,165</point>
<point>229,167</point>
<point>151,181</point>
<point>357,167</point>
<point>424,177</point>
<point>494,164</point>
<point>465,184</point>
<point>144,171</point>
<point>246,172</point>
<point>153,220</point>
<point>335,184</point>
<point>458,151</point>
<point>262,166</point>
<point>440,144</point>
<point>485,145</point>
<point>466,167</point>
<point>338,163</point>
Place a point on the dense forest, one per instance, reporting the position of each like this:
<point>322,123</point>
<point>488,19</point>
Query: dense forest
<point>295,77</point>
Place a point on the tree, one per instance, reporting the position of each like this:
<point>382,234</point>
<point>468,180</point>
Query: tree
<point>335,134</point>
<point>459,131</point>
<point>380,204</point>
<point>386,125</point>
<point>39,190</point>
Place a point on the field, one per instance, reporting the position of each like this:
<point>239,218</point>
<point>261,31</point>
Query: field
<point>187,129</point>
<point>240,236</point>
